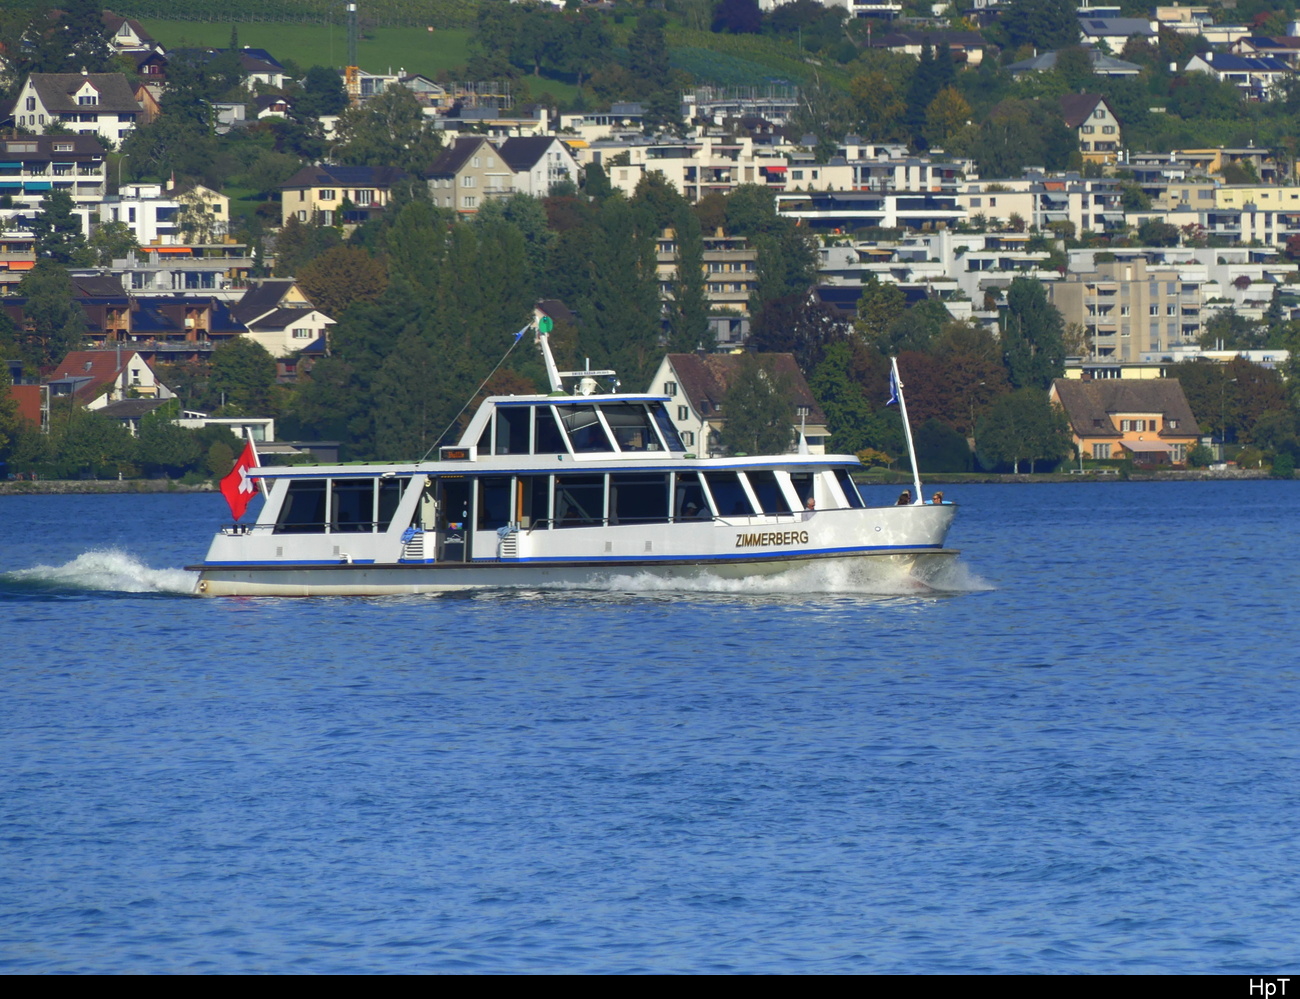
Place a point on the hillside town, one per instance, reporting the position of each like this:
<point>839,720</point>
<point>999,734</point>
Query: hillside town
<point>1077,228</point>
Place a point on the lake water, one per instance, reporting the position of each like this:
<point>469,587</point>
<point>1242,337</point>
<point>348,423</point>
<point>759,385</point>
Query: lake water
<point>1079,755</point>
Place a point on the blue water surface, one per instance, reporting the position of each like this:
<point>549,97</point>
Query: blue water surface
<point>1078,754</point>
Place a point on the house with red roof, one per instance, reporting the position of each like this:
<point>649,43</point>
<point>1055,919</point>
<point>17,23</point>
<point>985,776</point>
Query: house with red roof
<point>96,378</point>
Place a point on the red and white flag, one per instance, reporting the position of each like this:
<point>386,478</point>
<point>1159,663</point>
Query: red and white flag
<point>238,487</point>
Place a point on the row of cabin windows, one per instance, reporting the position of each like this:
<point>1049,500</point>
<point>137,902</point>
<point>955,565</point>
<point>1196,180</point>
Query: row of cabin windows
<point>586,429</point>
<point>339,506</point>
<point>623,498</point>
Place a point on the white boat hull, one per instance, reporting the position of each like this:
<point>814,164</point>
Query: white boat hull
<point>388,580</point>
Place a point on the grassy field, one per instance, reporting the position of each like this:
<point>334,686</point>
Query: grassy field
<point>416,50</point>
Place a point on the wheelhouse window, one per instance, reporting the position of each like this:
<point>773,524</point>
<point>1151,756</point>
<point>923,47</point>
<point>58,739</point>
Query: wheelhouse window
<point>667,429</point>
<point>549,440</point>
<point>586,433</point>
<point>638,499</point>
<point>632,427</point>
<point>803,486</point>
<point>513,429</point>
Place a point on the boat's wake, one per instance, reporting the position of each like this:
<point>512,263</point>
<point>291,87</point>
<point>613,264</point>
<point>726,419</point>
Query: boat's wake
<point>101,570</point>
<point>867,577</point>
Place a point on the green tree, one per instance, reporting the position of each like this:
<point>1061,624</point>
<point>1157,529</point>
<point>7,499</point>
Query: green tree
<point>56,321</point>
<point>388,130</point>
<point>1019,133</point>
<point>322,94</point>
<point>1046,24</point>
<point>243,373</point>
<point>1023,427</point>
<point>688,310</point>
<point>111,241</point>
<point>299,243</point>
<point>940,448</point>
<point>648,52</point>
<point>340,276</point>
<point>8,414</point>
<point>1032,336</point>
<point>91,443</point>
<point>164,448</point>
<point>880,303</point>
<point>57,229</point>
<point>758,410</point>
<point>842,399</point>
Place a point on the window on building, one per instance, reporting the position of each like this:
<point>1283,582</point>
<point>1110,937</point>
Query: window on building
<point>469,201</point>
<point>326,194</point>
<point>670,388</point>
<point>301,333</point>
<point>683,413</point>
<point>1101,451</point>
<point>31,104</point>
<point>88,100</point>
<point>364,197</point>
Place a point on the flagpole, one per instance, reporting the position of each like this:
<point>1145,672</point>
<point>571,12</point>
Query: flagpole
<point>907,430</point>
<point>257,461</point>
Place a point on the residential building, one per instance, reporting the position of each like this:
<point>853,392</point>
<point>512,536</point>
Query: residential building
<point>1102,64</point>
<point>468,173</point>
<point>851,211</point>
<point>1116,31</point>
<point>95,378</point>
<point>696,386</point>
<point>280,317</point>
<point>101,104</point>
<point>169,217</point>
<point>1258,78</point>
<point>539,163</point>
<point>696,166</point>
<point>337,193</point>
<point>30,167</point>
<point>1130,306</point>
<point>1090,204</point>
<point>964,46</point>
<point>1095,123</point>
<point>1148,420</point>
<point>731,275</point>
<point>126,34</point>
<point>218,269</point>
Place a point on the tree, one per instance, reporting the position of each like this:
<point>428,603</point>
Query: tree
<point>1230,330</point>
<point>8,414</point>
<point>842,398</point>
<point>299,243</point>
<point>878,107</point>
<point>1153,232</point>
<point>58,233</point>
<point>388,130</point>
<point>879,305</point>
<point>940,448</point>
<point>1046,24</point>
<point>51,313</point>
<point>1032,336</point>
<point>758,410</point>
<point>90,442</point>
<point>1018,133</point>
<point>798,325</point>
<point>322,94</point>
<point>163,447</point>
<point>738,17</point>
<point>688,310</point>
<point>1023,427</point>
<point>111,241</point>
<point>945,115</point>
<point>243,372</point>
<point>340,276</point>
<point>648,52</point>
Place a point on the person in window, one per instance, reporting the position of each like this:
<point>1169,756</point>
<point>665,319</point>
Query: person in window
<point>937,499</point>
<point>904,498</point>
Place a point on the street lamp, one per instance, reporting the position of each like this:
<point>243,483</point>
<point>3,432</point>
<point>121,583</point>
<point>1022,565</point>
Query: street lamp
<point>124,157</point>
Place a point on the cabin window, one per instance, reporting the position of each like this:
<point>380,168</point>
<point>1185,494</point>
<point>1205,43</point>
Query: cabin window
<point>803,486</point>
<point>513,430</point>
<point>390,494</point>
<point>586,433</point>
<point>494,494</point>
<point>667,429</point>
<point>535,491</point>
<point>579,500</point>
<point>303,511</point>
<point>352,505</point>
<point>638,499</point>
<point>850,488</point>
<point>729,497</point>
<point>689,501</point>
<point>631,427</point>
<point>549,438</point>
<point>770,495</point>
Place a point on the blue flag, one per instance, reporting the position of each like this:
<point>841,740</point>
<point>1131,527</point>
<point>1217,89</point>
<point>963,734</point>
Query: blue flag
<point>893,387</point>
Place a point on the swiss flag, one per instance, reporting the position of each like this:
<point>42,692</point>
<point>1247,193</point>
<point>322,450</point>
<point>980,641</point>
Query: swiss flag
<point>237,487</point>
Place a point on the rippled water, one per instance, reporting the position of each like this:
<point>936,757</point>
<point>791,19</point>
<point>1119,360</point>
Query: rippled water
<point>1078,753</point>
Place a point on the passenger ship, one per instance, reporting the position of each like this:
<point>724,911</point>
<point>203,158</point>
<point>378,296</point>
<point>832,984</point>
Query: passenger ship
<point>567,489</point>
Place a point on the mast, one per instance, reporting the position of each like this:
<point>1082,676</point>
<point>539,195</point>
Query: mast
<point>907,429</point>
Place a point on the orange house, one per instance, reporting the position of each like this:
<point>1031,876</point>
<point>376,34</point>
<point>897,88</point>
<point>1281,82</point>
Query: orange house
<point>1147,419</point>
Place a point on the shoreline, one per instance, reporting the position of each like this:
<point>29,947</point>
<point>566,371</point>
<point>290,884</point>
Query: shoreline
<point>118,487</point>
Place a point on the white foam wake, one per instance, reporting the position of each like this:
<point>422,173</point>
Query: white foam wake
<point>871,577</point>
<point>108,569</point>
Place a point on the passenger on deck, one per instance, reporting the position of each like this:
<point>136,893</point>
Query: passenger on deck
<point>937,499</point>
<point>904,498</point>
